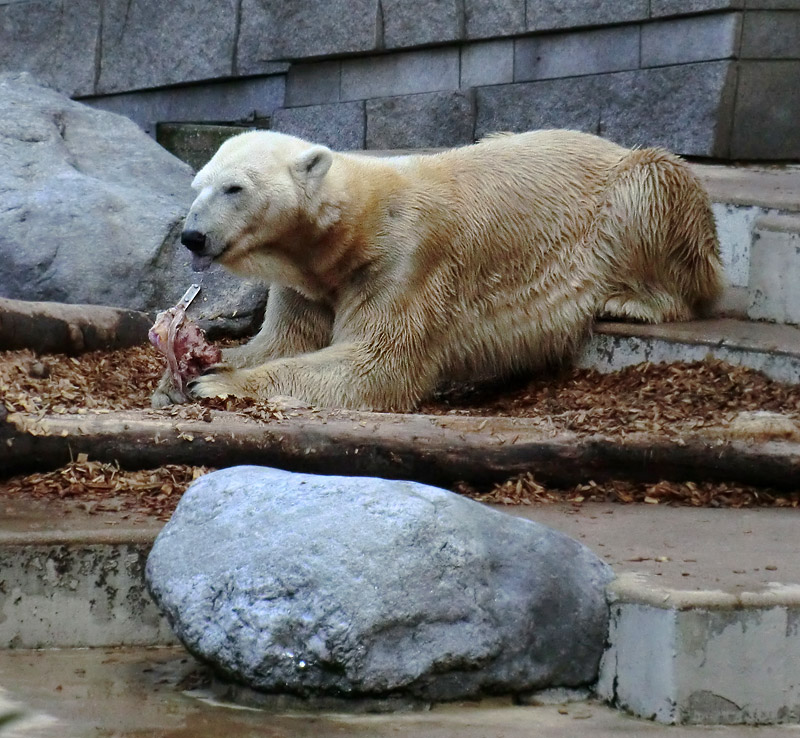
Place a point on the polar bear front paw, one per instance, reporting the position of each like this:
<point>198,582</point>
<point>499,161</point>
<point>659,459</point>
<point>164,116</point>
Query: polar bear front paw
<point>219,382</point>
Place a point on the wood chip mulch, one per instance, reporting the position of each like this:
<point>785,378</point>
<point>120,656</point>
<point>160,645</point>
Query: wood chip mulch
<point>525,490</point>
<point>662,399</point>
<point>98,487</point>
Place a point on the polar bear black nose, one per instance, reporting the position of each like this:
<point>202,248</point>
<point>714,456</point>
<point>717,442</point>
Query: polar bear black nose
<point>193,240</point>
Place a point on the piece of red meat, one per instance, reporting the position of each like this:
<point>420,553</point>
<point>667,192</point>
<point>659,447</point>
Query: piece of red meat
<point>183,343</point>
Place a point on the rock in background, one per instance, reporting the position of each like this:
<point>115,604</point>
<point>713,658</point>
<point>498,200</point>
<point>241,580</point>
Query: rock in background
<point>315,585</point>
<point>91,210</point>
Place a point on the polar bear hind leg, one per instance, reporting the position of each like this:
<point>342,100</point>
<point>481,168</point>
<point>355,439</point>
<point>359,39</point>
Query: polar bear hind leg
<point>660,241</point>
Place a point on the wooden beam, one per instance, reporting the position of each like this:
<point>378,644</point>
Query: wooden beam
<point>435,449</point>
<point>58,328</point>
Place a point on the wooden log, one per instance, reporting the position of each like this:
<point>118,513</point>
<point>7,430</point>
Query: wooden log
<point>434,449</point>
<point>59,328</point>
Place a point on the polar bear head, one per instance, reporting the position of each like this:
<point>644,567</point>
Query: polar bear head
<point>260,202</point>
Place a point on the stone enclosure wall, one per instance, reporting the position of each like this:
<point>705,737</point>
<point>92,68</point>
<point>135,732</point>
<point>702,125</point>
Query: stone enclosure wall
<point>709,78</point>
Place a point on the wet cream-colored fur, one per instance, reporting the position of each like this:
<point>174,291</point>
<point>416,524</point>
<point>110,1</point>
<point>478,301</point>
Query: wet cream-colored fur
<point>389,276</point>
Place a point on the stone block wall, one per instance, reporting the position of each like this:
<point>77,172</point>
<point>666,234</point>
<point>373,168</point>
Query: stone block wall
<point>709,78</point>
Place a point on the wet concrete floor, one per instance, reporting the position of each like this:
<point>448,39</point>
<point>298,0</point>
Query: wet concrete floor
<point>133,693</point>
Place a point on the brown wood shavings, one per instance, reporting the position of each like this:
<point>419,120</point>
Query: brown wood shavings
<point>663,399</point>
<point>99,380</point>
<point>103,487</point>
<point>525,490</point>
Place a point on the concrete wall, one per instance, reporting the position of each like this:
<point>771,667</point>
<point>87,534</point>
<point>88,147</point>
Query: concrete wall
<point>72,595</point>
<point>714,78</point>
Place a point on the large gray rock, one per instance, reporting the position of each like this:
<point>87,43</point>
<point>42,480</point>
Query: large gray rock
<point>91,209</point>
<point>315,585</point>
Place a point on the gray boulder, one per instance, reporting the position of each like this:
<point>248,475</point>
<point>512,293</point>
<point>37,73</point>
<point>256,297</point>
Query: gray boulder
<point>358,587</point>
<point>91,208</point>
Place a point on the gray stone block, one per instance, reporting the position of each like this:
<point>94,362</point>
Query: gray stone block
<point>149,43</point>
<point>576,54</point>
<point>313,84</point>
<point>487,63</point>
<point>416,24</point>
<point>216,102</point>
<point>773,4</point>
<point>274,30</point>
<point>404,73</point>
<point>486,18</point>
<point>661,8</point>
<point>702,38</point>
<point>560,103</point>
<point>686,108</point>
<point>56,42</point>
<point>361,587</point>
<point>338,125</point>
<point>765,124</point>
<point>550,14</point>
<point>771,35</point>
<point>434,119</point>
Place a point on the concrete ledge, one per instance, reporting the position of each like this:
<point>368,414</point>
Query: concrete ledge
<point>72,595</point>
<point>703,657</point>
<point>772,349</point>
<point>775,269</point>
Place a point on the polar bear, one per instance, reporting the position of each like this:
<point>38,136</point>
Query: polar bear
<point>389,275</point>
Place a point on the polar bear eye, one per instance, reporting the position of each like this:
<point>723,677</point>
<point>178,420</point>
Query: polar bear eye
<point>233,189</point>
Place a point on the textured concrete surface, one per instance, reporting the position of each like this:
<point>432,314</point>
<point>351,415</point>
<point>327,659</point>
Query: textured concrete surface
<point>340,125</point>
<point>77,595</point>
<point>769,187</point>
<point>775,270</point>
<point>705,663</point>
<point>690,40</point>
<point>218,102</point>
<point>136,51</point>
<point>704,613</point>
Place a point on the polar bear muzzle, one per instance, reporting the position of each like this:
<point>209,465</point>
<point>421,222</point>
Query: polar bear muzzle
<point>195,241</point>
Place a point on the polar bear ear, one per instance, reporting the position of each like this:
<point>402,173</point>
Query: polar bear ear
<point>312,165</point>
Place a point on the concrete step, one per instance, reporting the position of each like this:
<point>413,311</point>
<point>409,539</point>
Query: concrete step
<point>767,347</point>
<point>748,203</point>
<point>704,611</point>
